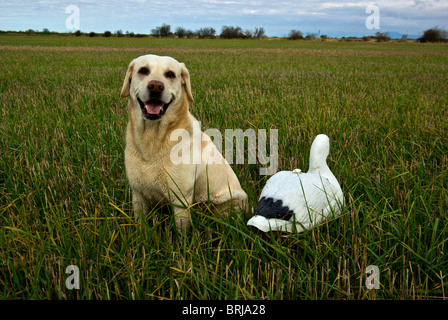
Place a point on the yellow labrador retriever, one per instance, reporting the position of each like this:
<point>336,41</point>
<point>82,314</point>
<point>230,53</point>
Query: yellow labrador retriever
<point>159,93</point>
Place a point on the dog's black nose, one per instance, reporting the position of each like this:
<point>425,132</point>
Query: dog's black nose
<point>156,86</point>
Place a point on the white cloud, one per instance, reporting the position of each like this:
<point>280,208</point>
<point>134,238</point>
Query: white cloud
<point>330,5</point>
<point>250,11</point>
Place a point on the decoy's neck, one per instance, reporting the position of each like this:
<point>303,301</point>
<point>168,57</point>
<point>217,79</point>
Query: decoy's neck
<point>322,170</point>
<point>319,153</point>
<point>317,164</point>
<point>318,157</point>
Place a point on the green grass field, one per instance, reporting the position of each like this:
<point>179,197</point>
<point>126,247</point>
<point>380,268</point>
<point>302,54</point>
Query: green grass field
<point>64,198</point>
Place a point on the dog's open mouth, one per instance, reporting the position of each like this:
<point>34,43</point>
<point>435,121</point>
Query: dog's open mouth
<point>153,109</point>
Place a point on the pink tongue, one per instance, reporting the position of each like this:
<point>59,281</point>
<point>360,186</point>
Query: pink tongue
<point>153,108</point>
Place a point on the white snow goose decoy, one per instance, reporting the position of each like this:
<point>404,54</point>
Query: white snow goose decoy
<point>296,201</point>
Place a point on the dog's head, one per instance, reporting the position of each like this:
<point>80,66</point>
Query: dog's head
<point>155,83</point>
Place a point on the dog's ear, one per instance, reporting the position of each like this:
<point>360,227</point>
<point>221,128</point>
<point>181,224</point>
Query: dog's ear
<point>125,90</point>
<point>186,82</point>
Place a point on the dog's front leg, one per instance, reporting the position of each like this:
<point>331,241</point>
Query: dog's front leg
<point>139,205</point>
<point>182,219</point>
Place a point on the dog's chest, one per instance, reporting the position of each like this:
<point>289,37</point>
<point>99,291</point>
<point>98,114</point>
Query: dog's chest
<point>146,176</point>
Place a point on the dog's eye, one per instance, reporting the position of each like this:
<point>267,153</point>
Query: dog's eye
<point>170,74</point>
<point>143,71</point>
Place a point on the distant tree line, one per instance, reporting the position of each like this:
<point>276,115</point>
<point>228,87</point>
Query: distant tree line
<point>298,35</point>
<point>227,32</point>
<point>434,34</point>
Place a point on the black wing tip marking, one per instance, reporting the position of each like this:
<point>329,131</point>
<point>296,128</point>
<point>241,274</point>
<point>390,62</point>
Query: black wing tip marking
<point>269,208</point>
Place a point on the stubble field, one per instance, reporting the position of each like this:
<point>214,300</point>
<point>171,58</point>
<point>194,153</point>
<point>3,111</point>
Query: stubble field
<point>64,198</point>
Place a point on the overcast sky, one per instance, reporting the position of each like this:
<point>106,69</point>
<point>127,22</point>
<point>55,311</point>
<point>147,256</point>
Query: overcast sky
<point>334,18</point>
